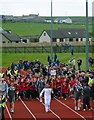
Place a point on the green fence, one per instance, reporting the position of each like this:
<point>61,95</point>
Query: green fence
<point>46,49</point>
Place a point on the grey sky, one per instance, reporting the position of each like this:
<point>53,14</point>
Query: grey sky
<point>43,7</point>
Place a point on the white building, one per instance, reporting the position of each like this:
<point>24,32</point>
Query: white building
<point>63,35</point>
<point>63,20</point>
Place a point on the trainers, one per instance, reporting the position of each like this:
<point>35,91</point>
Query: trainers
<point>78,109</point>
<point>75,108</point>
<point>12,110</point>
<point>40,100</point>
<point>84,109</point>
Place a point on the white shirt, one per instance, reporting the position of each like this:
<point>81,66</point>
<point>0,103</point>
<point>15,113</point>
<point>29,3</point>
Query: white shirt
<point>47,93</point>
<point>53,72</point>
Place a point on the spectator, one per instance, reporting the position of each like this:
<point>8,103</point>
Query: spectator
<point>77,88</point>
<point>11,96</point>
<point>8,72</point>
<point>79,61</point>
<point>86,97</point>
<point>3,95</point>
<point>64,90</point>
<point>2,106</point>
<point>48,59</point>
<point>91,84</point>
<point>72,51</point>
<point>91,61</point>
<point>55,57</point>
<point>1,74</point>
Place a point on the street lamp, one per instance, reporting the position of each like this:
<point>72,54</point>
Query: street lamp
<point>87,38</point>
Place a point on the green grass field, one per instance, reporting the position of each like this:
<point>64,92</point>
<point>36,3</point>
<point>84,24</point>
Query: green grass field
<point>8,58</point>
<point>31,29</point>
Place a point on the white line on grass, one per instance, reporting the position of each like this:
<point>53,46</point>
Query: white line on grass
<point>70,109</point>
<point>28,109</point>
<point>51,111</point>
<point>8,112</point>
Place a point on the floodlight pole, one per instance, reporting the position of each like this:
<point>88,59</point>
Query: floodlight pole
<point>51,33</point>
<point>87,38</point>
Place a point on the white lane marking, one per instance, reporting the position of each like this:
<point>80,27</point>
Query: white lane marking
<point>51,111</point>
<point>70,109</point>
<point>8,112</point>
<point>28,109</point>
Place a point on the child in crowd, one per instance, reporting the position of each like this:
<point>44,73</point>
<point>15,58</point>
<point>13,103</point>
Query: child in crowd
<point>77,89</point>
<point>64,90</point>
<point>11,96</point>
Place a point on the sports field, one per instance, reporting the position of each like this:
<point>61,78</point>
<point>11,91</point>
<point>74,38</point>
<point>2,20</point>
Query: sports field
<point>8,58</point>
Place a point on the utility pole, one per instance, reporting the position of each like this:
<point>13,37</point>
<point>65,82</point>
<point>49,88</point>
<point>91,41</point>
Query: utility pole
<point>87,38</point>
<point>51,40</point>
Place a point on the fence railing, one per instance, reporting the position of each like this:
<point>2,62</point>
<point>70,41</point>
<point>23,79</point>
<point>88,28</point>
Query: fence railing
<point>46,49</point>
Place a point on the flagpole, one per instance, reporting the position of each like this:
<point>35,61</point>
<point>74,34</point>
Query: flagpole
<point>51,40</point>
<point>87,38</point>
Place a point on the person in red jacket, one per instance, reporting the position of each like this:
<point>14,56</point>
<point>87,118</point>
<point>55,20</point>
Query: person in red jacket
<point>71,84</point>
<point>64,90</point>
<point>58,88</point>
<point>17,90</point>
<point>27,90</point>
<point>22,90</point>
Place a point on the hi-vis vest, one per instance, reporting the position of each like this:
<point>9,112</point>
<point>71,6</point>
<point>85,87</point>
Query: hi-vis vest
<point>91,81</point>
<point>2,101</point>
<point>8,72</point>
<point>1,75</point>
<point>15,72</point>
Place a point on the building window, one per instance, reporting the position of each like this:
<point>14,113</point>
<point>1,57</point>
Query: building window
<point>54,40</point>
<point>76,39</point>
<point>81,39</point>
<point>4,42</point>
<point>61,40</point>
<point>44,34</point>
<point>71,40</point>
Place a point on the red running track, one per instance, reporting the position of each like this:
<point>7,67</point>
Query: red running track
<point>60,110</point>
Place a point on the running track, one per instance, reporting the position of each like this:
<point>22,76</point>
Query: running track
<point>34,110</point>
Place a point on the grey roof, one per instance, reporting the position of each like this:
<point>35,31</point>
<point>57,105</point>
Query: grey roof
<point>67,33</point>
<point>10,36</point>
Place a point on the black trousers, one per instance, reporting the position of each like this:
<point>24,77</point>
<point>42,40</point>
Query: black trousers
<point>86,101</point>
<point>2,113</point>
<point>33,94</point>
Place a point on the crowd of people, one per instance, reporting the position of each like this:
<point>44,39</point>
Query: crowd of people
<point>27,79</point>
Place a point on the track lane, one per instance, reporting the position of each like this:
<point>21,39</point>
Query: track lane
<point>86,114</point>
<point>38,110</point>
<point>21,112</point>
<point>7,113</point>
<point>63,111</point>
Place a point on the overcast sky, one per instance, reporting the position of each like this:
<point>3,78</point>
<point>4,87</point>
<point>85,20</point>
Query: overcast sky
<point>43,7</point>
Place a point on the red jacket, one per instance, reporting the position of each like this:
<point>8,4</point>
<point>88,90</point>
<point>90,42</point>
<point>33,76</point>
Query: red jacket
<point>64,88</point>
<point>71,83</point>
